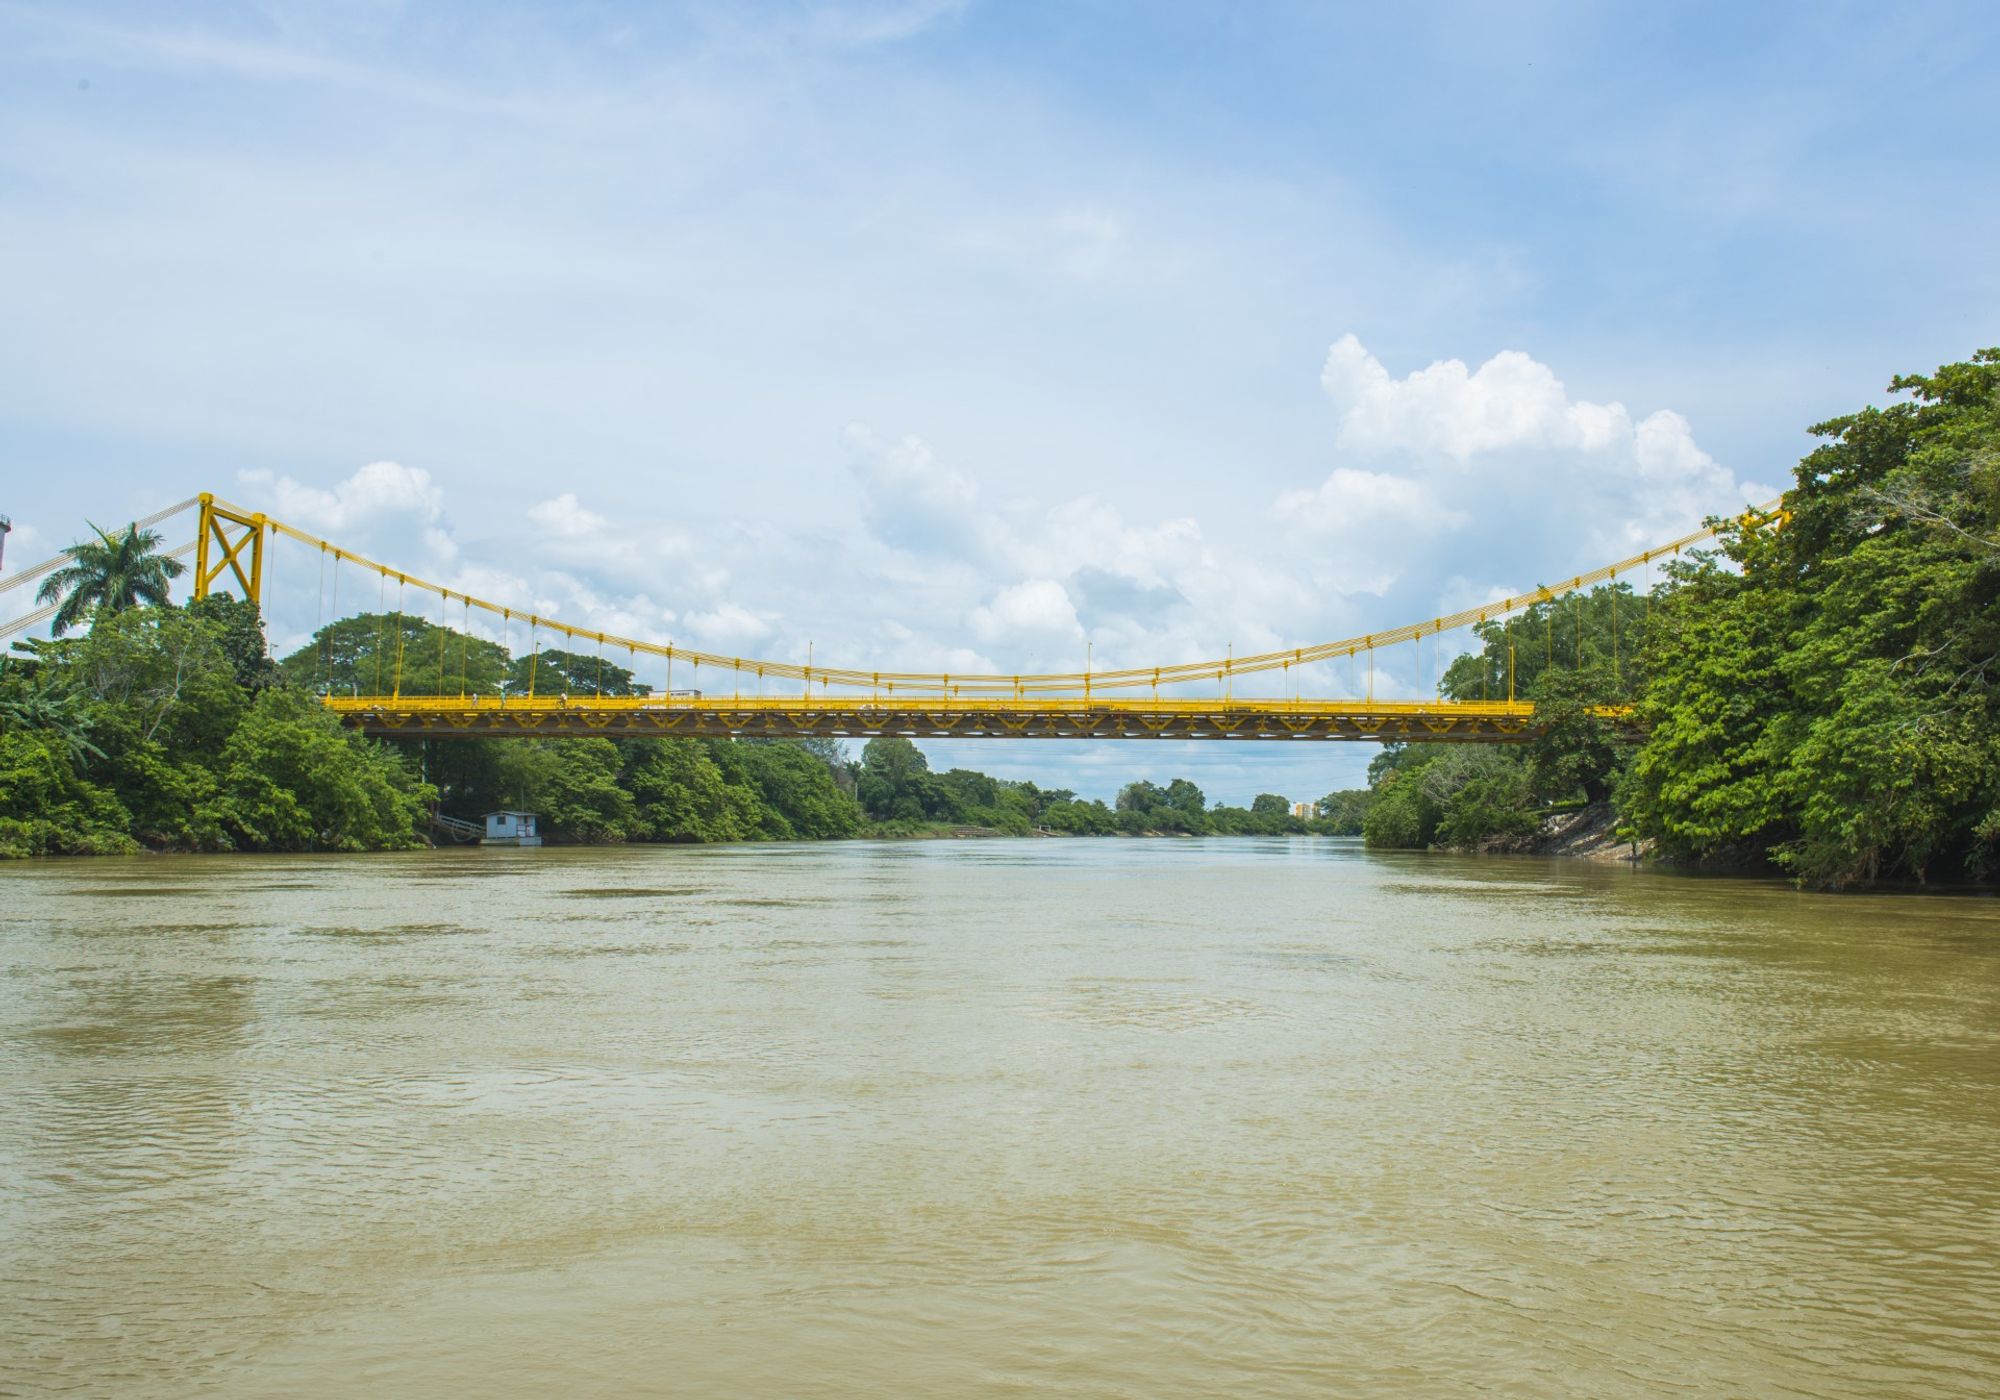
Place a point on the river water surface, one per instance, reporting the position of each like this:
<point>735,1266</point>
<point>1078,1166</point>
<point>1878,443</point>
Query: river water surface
<point>1103,1118</point>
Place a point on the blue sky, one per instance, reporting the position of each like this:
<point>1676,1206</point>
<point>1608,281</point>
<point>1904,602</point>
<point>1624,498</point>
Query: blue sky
<point>956,335</point>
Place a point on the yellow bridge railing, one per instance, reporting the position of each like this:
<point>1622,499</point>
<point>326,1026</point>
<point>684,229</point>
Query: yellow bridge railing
<point>862,716</point>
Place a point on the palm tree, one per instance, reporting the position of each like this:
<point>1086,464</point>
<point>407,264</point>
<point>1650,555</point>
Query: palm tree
<point>109,574</point>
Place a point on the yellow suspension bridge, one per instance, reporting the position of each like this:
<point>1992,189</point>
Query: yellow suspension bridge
<point>229,551</point>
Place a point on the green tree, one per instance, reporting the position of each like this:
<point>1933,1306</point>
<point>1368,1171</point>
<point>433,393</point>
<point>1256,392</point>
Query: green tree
<point>893,779</point>
<point>1341,813</point>
<point>291,779</point>
<point>1401,817</point>
<point>796,793</point>
<point>1825,693</point>
<point>580,797</point>
<point>108,575</point>
<point>48,808</point>
<point>1600,632</point>
<point>1079,818</point>
<point>682,794</point>
<point>1141,796</point>
<point>571,673</point>
<point>1493,804</point>
<point>396,653</point>
<point>1580,751</point>
<point>40,698</point>
<point>1458,795</point>
<point>238,627</point>
<point>1184,797</point>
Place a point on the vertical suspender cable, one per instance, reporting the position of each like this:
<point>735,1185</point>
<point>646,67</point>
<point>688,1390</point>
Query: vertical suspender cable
<point>319,630</point>
<point>319,616</point>
<point>327,647</point>
<point>399,637</point>
<point>381,616</point>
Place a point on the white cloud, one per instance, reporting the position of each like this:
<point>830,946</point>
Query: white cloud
<point>568,535</point>
<point>1565,483</point>
<point>1511,401</point>
<point>378,491</point>
<point>1036,609</point>
<point>1357,524</point>
<point>728,624</point>
<point>566,518</point>
<point>1352,500</point>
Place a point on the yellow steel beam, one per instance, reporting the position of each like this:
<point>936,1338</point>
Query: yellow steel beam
<point>862,716</point>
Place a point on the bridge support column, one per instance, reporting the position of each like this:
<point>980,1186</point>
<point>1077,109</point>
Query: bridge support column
<point>220,545</point>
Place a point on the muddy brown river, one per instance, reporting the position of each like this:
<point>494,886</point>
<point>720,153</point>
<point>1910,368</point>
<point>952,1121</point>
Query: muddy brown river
<point>1090,1118</point>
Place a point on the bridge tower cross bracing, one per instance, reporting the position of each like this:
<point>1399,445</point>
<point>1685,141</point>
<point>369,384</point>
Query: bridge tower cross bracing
<point>222,536</point>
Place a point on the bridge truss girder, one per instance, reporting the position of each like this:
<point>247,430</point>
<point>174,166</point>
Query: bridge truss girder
<point>1494,722</point>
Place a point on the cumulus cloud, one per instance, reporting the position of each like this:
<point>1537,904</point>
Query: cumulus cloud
<point>378,491</point>
<point>726,624</point>
<point>565,518</point>
<point>1360,521</point>
<point>1035,609</point>
<point>1447,449</point>
<point>569,535</point>
<point>398,508</point>
<point>1354,500</point>
<point>1510,401</point>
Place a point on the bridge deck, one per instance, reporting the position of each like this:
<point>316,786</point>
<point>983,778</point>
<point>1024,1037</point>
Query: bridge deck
<point>925,717</point>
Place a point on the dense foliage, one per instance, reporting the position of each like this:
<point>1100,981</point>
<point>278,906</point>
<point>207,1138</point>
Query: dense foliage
<point>1823,694</point>
<point>161,727</point>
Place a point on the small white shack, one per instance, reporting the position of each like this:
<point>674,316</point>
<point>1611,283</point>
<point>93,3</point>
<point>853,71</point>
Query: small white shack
<point>511,829</point>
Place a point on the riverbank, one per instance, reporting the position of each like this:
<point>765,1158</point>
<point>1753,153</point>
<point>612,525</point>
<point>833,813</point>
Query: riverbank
<point>1593,832</point>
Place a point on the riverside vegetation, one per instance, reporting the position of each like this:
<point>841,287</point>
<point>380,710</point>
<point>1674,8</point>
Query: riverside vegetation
<point>1817,694</point>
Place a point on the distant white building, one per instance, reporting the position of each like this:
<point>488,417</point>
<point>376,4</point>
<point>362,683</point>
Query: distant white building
<point>511,829</point>
<point>1305,811</point>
